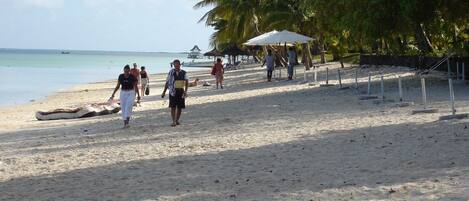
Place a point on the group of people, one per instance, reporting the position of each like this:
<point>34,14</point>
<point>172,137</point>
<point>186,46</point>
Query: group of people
<point>270,61</point>
<point>133,83</point>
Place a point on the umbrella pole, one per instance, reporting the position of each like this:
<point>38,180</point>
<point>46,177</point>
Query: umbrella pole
<point>306,64</point>
<point>280,69</point>
<point>288,64</point>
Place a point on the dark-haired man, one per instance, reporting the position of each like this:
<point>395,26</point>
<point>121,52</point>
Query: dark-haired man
<point>177,83</point>
<point>270,61</point>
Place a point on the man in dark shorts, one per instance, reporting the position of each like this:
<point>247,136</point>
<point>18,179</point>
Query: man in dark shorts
<point>177,83</point>
<point>270,61</point>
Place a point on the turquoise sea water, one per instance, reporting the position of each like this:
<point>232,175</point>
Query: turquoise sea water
<point>29,75</point>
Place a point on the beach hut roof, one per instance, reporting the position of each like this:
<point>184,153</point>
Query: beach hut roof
<point>213,53</point>
<point>275,38</point>
<point>195,49</point>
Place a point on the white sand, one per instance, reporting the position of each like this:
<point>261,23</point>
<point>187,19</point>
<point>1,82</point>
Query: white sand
<point>251,141</point>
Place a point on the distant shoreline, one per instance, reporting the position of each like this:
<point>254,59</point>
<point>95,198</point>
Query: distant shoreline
<point>92,51</point>
<point>44,72</point>
<point>44,96</point>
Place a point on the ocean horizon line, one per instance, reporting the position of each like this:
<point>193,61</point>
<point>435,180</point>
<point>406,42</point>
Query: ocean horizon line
<point>91,51</point>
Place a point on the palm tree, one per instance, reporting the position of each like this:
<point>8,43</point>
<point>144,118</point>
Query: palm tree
<point>234,21</point>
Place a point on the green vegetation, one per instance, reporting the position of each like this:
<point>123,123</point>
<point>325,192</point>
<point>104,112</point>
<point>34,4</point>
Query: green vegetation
<point>385,27</point>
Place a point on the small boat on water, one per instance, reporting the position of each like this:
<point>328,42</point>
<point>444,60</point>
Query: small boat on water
<point>199,64</point>
<point>65,52</point>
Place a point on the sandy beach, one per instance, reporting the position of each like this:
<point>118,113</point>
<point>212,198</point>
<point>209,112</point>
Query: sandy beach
<point>254,140</point>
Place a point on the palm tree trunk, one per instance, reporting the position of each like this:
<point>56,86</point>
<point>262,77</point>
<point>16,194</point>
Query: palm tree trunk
<point>306,56</point>
<point>321,48</point>
<point>423,41</point>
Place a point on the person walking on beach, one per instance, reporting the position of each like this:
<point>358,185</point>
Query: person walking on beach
<point>270,61</point>
<point>291,62</point>
<point>218,72</point>
<point>128,85</point>
<point>177,83</point>
<point>144,79</point>
<point>136,73</point>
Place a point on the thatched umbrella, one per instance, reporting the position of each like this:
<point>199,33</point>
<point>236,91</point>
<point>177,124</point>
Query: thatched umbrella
<point>234,51</point>
<point>213,53</point>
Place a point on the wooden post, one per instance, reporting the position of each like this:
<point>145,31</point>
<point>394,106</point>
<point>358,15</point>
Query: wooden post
<point>399,82</point>
<point>451,96</point>
<point>339,78</point>
<point>356,79</point>
<point>369,84</point>
<point>327,76</point>
<point>315,74</point>
<point>305,76</point>
<point>382,87</point>
<point>424,93</point>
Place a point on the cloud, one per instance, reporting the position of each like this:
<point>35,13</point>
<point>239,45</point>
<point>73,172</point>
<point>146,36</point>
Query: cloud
<point>40,3</point>
<point>88,3</point>
<point>100,3</point>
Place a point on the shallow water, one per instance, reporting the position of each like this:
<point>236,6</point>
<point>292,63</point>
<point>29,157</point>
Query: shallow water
<point>29,75</point>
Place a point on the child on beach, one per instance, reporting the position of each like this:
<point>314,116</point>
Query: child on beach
<point>218,72</point>
<point>177,83</point>
<point>128,85</point>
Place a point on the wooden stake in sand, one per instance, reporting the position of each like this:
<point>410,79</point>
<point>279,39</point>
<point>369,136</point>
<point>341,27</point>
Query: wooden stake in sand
<point>305,76</point>
<point>451,96</point>
<point>315,77</point>
<point>453,110</point>
<point>424,100</point>
<point>383,98</point>
<point>424,93</point>
<point>382,87</point>
<point>369,84</point>
<point>368,96</point>
<point>327,76</point>
<point>401,94</point>
<point>315,74</point>
<point>399,83</point>
<point>356,79</point>
<point>327,80</point>
<point>339,78</point>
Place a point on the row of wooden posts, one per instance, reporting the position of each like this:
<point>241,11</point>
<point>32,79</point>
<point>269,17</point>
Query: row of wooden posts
<point>460,75</point>
<point>460,72</point>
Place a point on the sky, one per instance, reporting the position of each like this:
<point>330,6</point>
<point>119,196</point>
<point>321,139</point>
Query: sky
<point>115,25</point>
